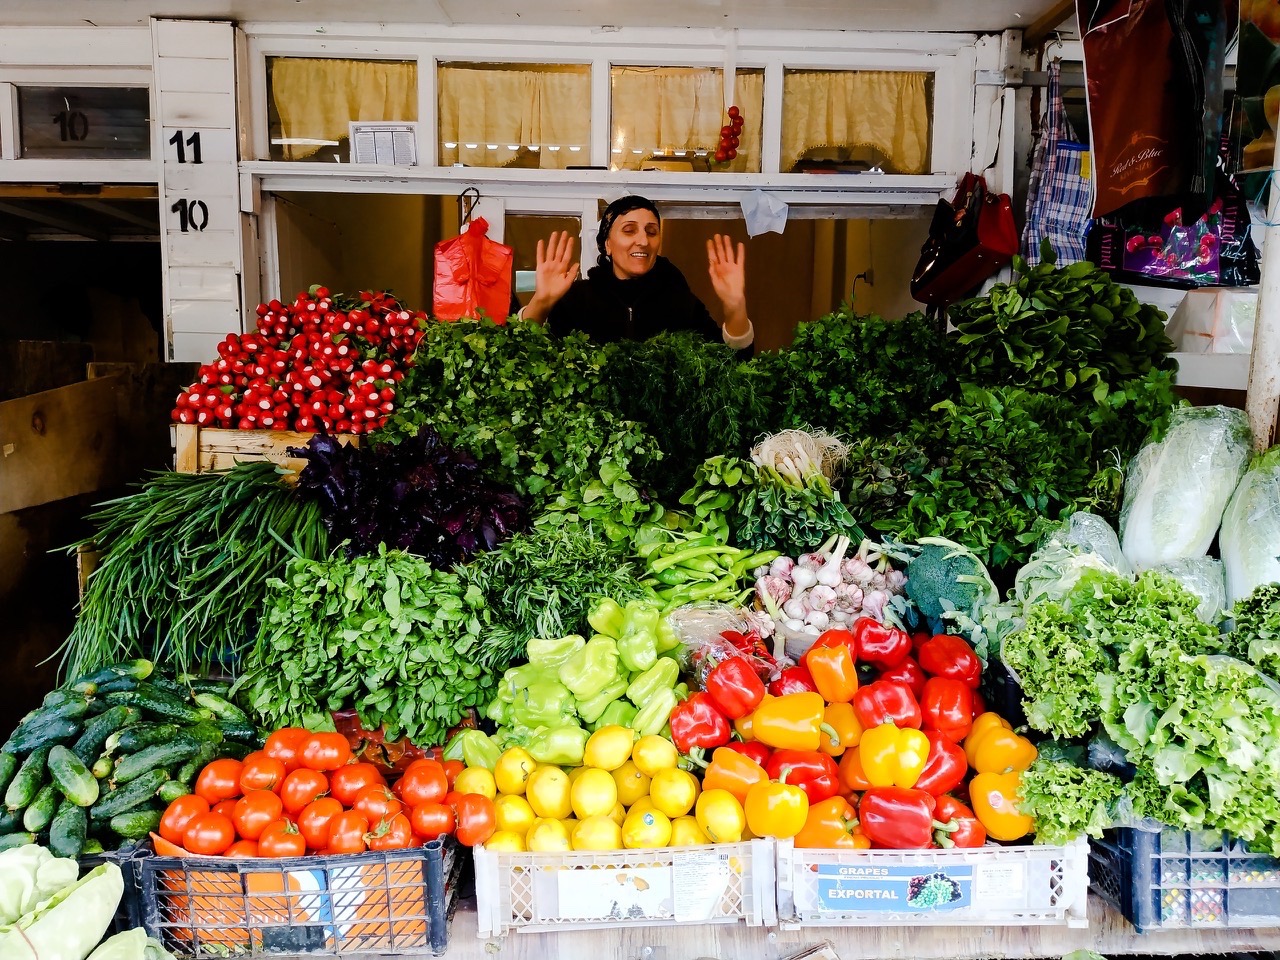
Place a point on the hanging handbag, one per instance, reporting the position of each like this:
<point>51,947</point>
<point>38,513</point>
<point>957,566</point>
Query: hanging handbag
<point>970,239</point>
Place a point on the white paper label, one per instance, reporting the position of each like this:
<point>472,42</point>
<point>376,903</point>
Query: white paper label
<point>701,880</point>
<point>389,144</point>
<point>614,893</point>
<point>1003,882</point>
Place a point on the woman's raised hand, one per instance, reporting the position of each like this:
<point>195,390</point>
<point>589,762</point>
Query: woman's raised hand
<point>727,268</point>
<point>556,271</point>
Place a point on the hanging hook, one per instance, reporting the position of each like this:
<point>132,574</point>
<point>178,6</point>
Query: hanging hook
<point>467,201</point>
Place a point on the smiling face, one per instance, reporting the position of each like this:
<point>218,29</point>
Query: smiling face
<point>633,243</point>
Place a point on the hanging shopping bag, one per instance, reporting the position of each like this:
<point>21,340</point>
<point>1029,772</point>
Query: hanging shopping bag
<point>472,276</point>
<point>970,239</point>
<point>1059,198</point>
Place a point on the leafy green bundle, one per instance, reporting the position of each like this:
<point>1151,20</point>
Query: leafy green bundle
<point>1068,800</point>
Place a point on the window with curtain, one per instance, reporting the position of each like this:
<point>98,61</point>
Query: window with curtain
<point>856,119</point>
<point>312,102</point>
<point>669,118</point>
<point>514,115</point>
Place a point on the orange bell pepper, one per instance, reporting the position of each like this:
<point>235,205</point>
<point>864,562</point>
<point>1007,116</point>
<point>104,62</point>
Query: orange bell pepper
<point>852,777</point>
<point>832,824</point>
<point>995,801</point>
<point>845,730</point>
<point>893,757</point>
<point>776,809</point>
<point>983,723</point>
<point>733,771</point>
<point>1000,750</point>
<point>833,672</point>
<point>790,722</point>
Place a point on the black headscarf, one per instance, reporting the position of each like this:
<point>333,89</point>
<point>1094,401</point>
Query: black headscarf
<point>612,212</point>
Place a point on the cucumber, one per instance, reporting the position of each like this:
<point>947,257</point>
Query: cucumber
<point>235,749</point>
<point>26,782</point>
<point>90,682</point>
<point>159,703</point>
<point>9,764</point>
<point>164,755</point>
<point>92,848</point>
<point>222,708</point>
<point>69,830</point>
<point>128,796</point>
<point>56,698</point>
<point>136,824</point>
<point>187,772</point>
<point>171,790</point>
<point>169,685</point>
<point>72,777</point>
<point>39,813</point>
<point>244,732</point>
<point>140,735</point>
<point>50,725</point>
<point>119,683</point>
<point>205,685</point>
<point>97,730</point>
<point>102,767</point>
<point>10,820</point>
<point>207,731</point>
<point>11,840</point>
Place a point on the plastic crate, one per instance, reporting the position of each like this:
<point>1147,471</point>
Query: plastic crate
<point>590,890</point>
<point>1179,879</point>
<point>396,902</point>
<point>989,886</point>
<point>129,913</point>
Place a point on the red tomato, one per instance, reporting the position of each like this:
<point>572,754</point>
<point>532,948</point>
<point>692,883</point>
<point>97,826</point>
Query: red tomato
<point>424,782</point>
<point>261,772</point>
<point>346,833</point>
<point>391,833</point>
<point>283,746</point>
<point>179,814</point>
<point>281,839</point>
<point>254,811</point>
<point>347,781</point>
<point>209,834</point>
<point>477,819</point>
<point>301,787</point>
<point>242,848</point>
<point>314,819</point>
<point>324,751</point>
<point>377,803</point>
<point>432,820</point>
<point>219,780</point>
<point>451,770</point>
<point>226,807</point>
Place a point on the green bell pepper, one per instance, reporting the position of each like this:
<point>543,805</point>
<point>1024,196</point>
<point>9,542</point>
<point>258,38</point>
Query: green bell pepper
<point>591,708</point>
<point>563,746</point>
<point>550,654</point>
<point>666,636</point>
<point>474,748</point>
<point>592,668</point>
<point>638,645</point>
<point>607,617</point>
<point>499,711</point>
<point>517,678</point>
<point>661,676</point>
<point>654,715</point>
<point>619,712</point>
<point>543,701</point>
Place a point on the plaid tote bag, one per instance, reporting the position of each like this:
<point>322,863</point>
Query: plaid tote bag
<point>1060,197</point>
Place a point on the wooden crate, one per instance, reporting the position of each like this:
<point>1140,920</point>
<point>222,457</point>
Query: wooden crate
<point>200,449</point>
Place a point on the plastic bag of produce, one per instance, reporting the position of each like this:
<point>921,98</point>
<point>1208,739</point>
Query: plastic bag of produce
<point>1202,576</point>
<point>1082,542</point>
<point>1250,538</point>
<point>131,945</point>
<point>29,875</point>
<point>69,925</point>
<point>1176,488</point>
<point>1090,533</point>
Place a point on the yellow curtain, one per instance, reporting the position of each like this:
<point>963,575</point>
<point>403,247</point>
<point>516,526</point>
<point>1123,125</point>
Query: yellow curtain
<point>514,108</point>
<point>887,110</point>
<point>318,98</point>
<point>661,109</point>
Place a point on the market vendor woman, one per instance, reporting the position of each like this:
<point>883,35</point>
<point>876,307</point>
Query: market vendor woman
<point>633,293</point>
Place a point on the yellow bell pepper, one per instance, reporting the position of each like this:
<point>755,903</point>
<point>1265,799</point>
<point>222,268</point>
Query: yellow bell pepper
<point>790,722</point>
<point>845,730</point>
<point>995,802</point>
<point>892,757</point>
<point>744,725</point>
<point>776,809</point>
<point>999,750</point>
<point>984,723</point>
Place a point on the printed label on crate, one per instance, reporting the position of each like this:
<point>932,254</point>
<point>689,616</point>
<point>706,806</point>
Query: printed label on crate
<point>1004,883</point>
<point>613,893</point>
<point>893,889</point>
<point>702,880</point>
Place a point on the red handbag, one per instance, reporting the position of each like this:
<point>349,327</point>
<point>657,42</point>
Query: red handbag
<point>970,239</point>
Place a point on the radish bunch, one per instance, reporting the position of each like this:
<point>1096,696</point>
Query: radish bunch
<point>310,366</point>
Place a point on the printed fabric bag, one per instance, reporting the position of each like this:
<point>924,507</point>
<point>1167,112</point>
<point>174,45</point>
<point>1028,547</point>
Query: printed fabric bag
<point>1059,198</point>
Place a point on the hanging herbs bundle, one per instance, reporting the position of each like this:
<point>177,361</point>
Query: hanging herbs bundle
<point>385,634</point>
<point>419,495</point>
<point>184,566</point>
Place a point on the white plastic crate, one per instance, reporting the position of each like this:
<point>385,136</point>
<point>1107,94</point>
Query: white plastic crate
<point>590,890</point>
<point>991,886</point>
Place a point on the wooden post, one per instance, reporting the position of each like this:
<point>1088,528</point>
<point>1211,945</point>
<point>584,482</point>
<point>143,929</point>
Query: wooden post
<point>1262,403</point>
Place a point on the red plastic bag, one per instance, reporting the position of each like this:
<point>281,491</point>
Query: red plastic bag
<point>472,274</point>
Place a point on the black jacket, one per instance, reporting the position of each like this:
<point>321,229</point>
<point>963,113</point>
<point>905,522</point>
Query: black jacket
<point>607,309</point>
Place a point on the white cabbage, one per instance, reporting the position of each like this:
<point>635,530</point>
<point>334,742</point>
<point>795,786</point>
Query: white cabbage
<point>1250,539</point>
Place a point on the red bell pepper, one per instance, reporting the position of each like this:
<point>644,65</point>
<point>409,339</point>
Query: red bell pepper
<point>887,701</point>
<point>880,645</point>
<point>946,655</point>
<point>947,707</point>
<point>960,826</point>
<point>812,771</point>
<point>918,640</point>
<point>945,767</point>
<point>795,679</point>
<point>756,750</point>
<point>908,672</point>
<point>698,722</point>
<point>735,687</point>
<point>897,818</point>
<point>979,704</point>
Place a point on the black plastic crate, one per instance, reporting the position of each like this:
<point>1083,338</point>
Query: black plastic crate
<point>1180,879</point>
<point>394,902</point>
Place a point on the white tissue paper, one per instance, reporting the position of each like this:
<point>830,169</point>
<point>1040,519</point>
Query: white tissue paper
<point>763,213</point>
